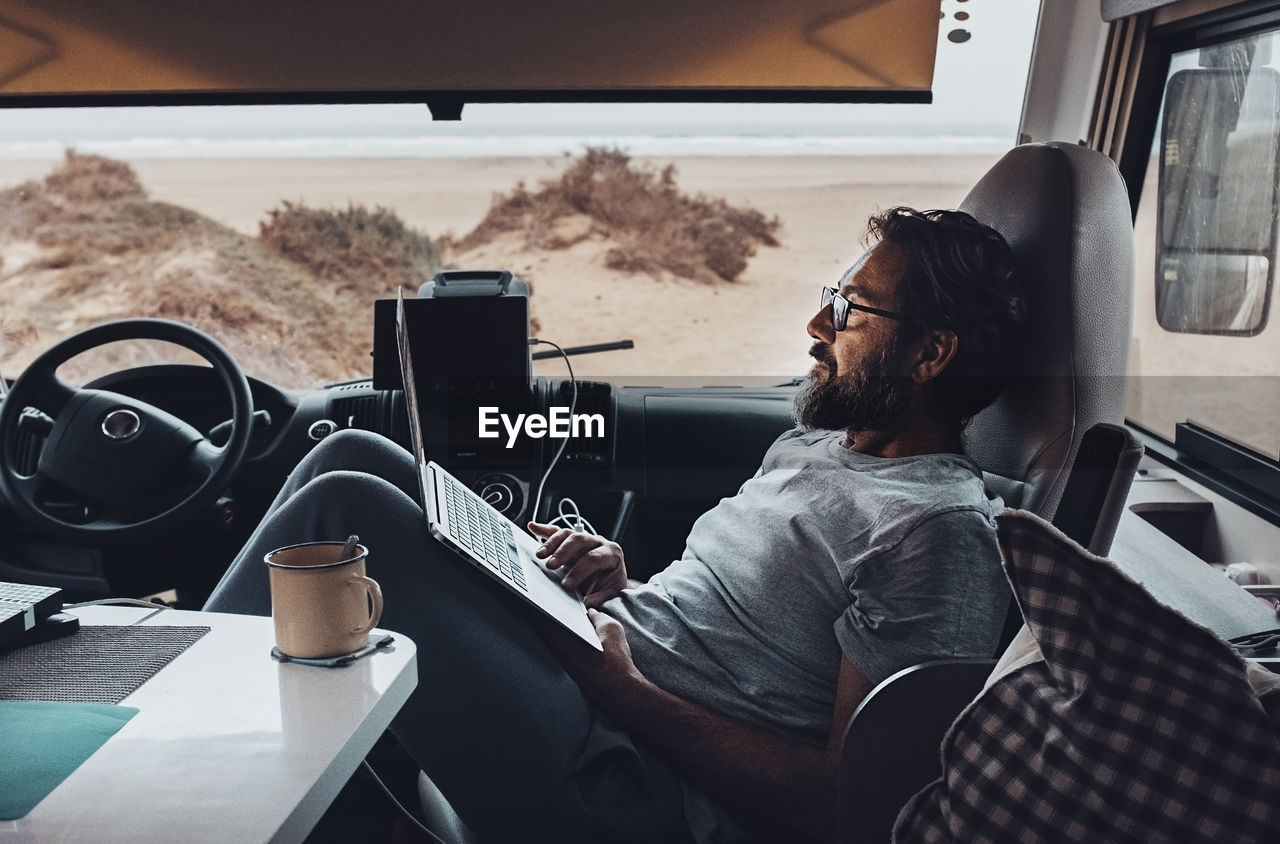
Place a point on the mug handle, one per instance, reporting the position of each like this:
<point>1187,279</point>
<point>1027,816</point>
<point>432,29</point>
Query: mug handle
<point>375,594</point>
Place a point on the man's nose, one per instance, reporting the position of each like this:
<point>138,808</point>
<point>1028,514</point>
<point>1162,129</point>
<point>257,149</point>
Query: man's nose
<point>820,327</point>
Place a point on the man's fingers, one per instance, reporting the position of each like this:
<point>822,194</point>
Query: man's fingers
<point>552,542</point>
<point>548,534</point>
<point>597,561</point>
<point>539,529</point>
<point>601,622</point>
<point>607,627</point>
<point>568,550</point>
<point>578,571</point>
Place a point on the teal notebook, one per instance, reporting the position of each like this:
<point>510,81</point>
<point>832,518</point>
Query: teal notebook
<point>41,743</point>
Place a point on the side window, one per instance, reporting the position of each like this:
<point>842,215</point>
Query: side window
<point>1205,359</point>
<point>1217,208</point>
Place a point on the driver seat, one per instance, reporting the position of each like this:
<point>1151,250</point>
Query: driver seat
<point>1064,211</point>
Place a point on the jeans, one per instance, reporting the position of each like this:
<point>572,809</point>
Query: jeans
<point>495,722</point>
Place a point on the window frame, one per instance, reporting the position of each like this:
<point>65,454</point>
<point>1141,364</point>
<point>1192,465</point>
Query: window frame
<point>1242,475</point>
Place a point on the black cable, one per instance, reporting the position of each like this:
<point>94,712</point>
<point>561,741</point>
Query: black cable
<point>399,805</point>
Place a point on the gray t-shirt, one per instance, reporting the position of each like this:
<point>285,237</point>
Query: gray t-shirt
<point>888,561</point>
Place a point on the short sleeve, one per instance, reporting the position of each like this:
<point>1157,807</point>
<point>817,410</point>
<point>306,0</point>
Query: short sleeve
<point>940,592</point>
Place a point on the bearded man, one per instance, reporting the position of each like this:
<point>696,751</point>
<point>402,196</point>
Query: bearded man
<point>864,544</point>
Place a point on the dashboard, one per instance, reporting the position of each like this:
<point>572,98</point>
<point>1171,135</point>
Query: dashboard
<point>654,459</point>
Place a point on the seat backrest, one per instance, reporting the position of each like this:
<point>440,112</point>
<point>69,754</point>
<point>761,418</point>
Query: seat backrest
<point>1093,498</point>
<point>1065,212</point>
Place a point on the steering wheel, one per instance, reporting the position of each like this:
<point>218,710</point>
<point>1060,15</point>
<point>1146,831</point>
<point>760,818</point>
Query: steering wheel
<point>108,458</point>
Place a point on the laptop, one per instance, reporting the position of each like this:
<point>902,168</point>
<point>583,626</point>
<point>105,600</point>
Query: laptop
<point>468,525</point>
<point>30,614</point>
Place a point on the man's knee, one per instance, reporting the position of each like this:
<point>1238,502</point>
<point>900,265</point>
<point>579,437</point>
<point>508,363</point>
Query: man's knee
<point>351,438</point>
<point>357,451</point>
<point>350,448</point>
<point>357,495</point>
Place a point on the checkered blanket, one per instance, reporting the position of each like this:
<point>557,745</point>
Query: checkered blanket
<point>1138,725</point>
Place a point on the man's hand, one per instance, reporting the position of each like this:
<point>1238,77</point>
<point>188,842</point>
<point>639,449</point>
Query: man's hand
<point>592,564</point>
<point>605,678</point>
<point>777,780</point>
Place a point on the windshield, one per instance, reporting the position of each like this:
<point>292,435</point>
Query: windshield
<point>700,232</point>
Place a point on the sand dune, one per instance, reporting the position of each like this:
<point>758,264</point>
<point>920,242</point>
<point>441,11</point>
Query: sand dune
<point>752,327</point>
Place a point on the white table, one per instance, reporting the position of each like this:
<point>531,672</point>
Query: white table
<point>228,744</point>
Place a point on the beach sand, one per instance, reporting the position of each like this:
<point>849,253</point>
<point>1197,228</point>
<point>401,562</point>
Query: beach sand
<point>753,328</point>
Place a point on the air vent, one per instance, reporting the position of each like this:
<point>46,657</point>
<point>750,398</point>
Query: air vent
<point>364,412</point>
<point>353,385</point>
<point>594,397</point>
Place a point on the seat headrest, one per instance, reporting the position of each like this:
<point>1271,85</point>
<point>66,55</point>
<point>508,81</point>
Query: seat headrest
<point>1065,212</point>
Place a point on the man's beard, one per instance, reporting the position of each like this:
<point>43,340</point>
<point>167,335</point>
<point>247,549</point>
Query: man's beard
<point>871,400</point>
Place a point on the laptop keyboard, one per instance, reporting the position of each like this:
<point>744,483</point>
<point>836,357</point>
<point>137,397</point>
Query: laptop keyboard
<point>23,607</point>
<point>475,526</point>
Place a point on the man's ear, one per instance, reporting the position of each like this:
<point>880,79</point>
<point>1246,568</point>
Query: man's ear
<point>933,354</point>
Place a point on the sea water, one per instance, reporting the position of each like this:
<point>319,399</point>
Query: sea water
<point>407,130</point>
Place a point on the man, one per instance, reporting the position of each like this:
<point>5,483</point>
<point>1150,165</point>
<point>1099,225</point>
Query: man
<point>864,544</point>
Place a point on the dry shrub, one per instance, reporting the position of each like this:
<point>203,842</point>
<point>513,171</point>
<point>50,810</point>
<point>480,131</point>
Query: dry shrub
<point>86,232</point>
<point>159,216</point>
<point>175,300</point>
<point>62,258</point>
<point>76,279</point>
<point>23,209</point>
<point>106,252</point>
<point>17,331</point>
<point>87,207</point>
<point>92,178</point>
<point>653,225</point>
<point>357,249</point>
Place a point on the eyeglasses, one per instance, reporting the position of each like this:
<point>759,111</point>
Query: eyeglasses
<point>841,306</point>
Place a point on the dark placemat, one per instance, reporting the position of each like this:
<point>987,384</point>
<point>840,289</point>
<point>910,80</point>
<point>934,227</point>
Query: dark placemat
<point>96,664</point>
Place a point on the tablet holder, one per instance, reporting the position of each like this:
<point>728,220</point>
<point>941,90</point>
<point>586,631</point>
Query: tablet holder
<point>469,331</point>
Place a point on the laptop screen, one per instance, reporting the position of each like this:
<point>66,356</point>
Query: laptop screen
<point>410,393</point>
<point>471,352</point>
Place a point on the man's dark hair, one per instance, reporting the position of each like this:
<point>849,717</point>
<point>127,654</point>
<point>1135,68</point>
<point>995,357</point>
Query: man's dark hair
<point>959,276</point>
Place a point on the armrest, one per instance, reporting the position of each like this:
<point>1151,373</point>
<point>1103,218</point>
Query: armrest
<point>892,744</point>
